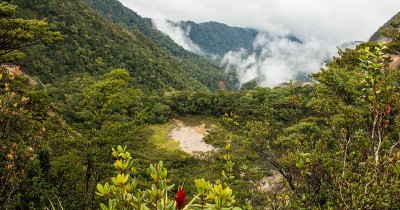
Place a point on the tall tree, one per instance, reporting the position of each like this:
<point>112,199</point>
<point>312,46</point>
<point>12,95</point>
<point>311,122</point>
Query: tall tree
<point>343,157</point>
<point>17,33</point>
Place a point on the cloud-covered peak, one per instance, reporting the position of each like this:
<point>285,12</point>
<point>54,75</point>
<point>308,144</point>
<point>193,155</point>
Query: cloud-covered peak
<point>275,60</point>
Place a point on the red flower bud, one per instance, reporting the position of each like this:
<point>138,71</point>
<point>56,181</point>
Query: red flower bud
<point>180,199</point>
<point>385,123</point>
<point>387,111</point>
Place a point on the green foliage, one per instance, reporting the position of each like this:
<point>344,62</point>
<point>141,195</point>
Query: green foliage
<point>124,194</point>
<point>385,30</point>
<point>392,33</point>
<point>217,38</point>
<point>249,85</point>
<point>18,147</point>
<point>335,143</point>
<point>207,72</point>
<point>17,33</point>
<point>339,157</point>
<point>94,45</point>
<point>29,131</point>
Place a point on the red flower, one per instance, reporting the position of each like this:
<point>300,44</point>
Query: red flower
<point>180,199</point>
<point>387,110</point>
<point>385,123</point>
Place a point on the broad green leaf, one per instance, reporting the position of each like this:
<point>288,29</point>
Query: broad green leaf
<point>104,207</point>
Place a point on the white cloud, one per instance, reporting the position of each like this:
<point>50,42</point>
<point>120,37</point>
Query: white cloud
<point>278,60</point>
<point>177,34</point>
<point>320,24</point>
<point>334,21</point>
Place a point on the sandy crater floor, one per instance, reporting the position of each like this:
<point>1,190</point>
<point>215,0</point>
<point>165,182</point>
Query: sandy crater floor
<point>190,138</point>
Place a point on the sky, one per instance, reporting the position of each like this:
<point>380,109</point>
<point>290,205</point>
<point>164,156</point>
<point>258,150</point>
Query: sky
<point>322,25</point>
<point>335,20</point>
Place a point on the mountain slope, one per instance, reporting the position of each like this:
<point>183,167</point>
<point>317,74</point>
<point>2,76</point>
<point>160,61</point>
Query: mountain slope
<point>377,36</point>
<point>95,45</point>
<point>218,38</point>
<point>118,13</point>
<point>268,58</point>
<point>207,72</point>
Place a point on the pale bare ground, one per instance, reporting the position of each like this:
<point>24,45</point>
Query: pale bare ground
<point>271,183</point>
<point>190,138</point>
<point>396,61</point>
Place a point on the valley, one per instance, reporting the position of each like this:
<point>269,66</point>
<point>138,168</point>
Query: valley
<point>100,108</point>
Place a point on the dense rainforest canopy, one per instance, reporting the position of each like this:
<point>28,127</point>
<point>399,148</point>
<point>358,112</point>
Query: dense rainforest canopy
<point>104,93</point>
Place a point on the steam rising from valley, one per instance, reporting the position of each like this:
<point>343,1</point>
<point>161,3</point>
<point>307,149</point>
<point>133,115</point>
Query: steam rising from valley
<point>273,59</point>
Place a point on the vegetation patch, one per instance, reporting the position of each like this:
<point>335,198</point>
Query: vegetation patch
<point>160,136</point>
<point>197,120</point>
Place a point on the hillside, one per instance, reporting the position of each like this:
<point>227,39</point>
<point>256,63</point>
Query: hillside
<point>377,36</point>
<point>207,72</point>
<point>249,54</point>
<point>118,13</point>
<point>95,45</point>
<point>213,41</point>
<point>218,38</point>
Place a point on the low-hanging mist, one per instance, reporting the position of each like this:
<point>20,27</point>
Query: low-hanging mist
<point>273,59</point>
<point>178,34</point>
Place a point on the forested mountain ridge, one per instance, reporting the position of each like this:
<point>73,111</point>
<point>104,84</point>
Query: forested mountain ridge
<point>378,36</point>
<point>218,38</point>
<point>207,72</point>
<point>95,45</point>
<point>118,13</point>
